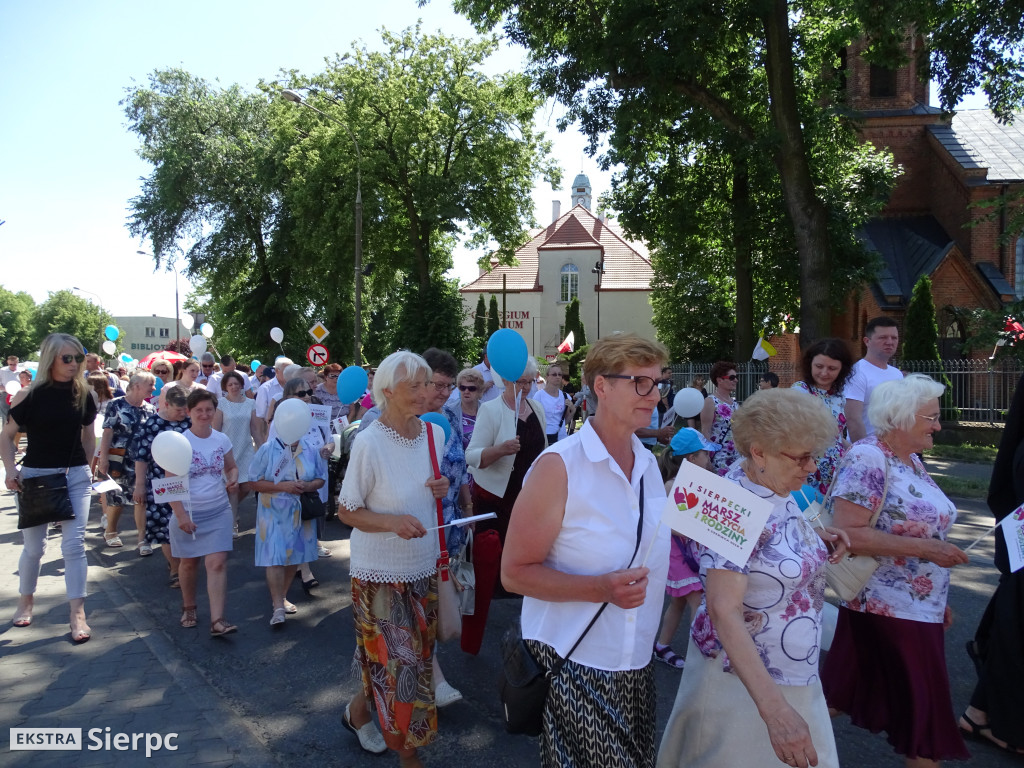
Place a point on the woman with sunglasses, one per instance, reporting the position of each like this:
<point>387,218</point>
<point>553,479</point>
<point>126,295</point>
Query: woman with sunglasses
<point>716,416</point>
<point>171,415</point>
<point>164,373</point>
<point>558,409</point>
<point>470,385</point>
<point>57,412</point>
<point>285,542</point>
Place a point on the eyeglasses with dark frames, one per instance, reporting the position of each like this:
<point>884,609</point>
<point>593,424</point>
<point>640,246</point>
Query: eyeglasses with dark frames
<point>72,358</point>
<point>643,385</point>
<point>467,387</point>
<point>304,393</point>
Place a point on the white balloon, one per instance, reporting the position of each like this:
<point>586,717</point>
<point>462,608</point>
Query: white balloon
<point>109,347</point>
<point>278,336</point>
<point>12,387</point>
<point>198,345</point>
<point>292,419</point>
<point>187,322</point>
<point>688,402</point>
<point>206,329</point>
<point>172,451</point>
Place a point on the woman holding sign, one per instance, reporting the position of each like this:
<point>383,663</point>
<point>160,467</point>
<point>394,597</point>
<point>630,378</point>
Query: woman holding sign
<point>750,688</point>
<point>204,529</point>
<point>586,548</point>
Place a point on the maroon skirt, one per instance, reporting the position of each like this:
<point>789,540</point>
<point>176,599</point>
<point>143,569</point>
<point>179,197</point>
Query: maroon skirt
<point>890,675</point>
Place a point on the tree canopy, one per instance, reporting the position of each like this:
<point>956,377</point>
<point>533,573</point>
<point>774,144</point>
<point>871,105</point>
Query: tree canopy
<point>17,324</point>
<point>753,81</point>
<point>64,312</point>
<point>258,193</point>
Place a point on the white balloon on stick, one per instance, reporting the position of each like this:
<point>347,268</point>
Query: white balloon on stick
<point>187,322</point>
<point>109,347</point>
<point>277,335</point>
<point>172,451</point>
<point>207,330</point>
<point>688,402</point>
<point>198,345</point>
<point>292,419</point>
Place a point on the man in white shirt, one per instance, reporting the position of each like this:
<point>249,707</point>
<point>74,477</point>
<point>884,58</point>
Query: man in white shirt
<point>492,388</point>
<point>270,391</point>
<point>881,339</point>
<point>206,369</point>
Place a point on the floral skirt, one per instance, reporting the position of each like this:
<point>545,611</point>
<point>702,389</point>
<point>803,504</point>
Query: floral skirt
<point>395,628</point>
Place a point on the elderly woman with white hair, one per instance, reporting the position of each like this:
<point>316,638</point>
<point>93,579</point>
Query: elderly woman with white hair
<point>388,497</point>
<point>508,436</point>
<point>887,665</point>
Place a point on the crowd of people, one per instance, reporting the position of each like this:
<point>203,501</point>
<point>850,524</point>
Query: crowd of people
<point>576,532</point>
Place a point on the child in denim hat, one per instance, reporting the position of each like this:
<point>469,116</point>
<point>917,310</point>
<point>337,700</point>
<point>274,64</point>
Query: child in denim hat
<point>684,585</point>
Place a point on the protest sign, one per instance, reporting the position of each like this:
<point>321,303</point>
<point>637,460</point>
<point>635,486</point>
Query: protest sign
<point>321,415</point>
<point>714,512</point>
<point>1013,532</point>
<point>168,489</point>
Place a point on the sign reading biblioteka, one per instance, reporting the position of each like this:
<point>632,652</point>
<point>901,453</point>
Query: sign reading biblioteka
<point>716,513</point>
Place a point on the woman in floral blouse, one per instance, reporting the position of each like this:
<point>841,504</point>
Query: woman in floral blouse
<point>887,664</point>
<point>826,366</point>
<point>752,665</point>
<point>716,416</point>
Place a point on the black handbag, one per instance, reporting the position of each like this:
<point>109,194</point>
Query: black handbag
<point>523,683</point>
<point>44,499</point>
<point>312,507</point>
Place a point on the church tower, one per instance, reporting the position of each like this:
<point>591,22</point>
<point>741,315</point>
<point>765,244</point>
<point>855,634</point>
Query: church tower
<point>581,191</point>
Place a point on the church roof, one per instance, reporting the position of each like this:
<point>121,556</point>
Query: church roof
<point>908,248</point>
<point>975,139</point>
<point>627,266</point>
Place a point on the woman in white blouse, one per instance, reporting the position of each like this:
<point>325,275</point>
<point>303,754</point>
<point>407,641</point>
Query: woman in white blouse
<point>750,693</point>
<point>388,498</point>
<point>573,545</point>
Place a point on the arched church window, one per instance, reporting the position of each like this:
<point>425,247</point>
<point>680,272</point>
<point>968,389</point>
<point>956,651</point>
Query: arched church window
<point>570,282</point>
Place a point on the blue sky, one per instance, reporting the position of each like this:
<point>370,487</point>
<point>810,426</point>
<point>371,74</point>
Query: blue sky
<point>68,166</point>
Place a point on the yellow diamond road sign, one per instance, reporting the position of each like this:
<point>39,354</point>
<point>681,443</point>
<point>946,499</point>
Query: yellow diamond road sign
<point>318,332</point>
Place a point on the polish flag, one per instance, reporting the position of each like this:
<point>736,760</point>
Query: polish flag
<point>567,345</point>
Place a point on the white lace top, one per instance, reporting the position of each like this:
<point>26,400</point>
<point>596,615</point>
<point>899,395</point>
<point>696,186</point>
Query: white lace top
<point>387,474</point>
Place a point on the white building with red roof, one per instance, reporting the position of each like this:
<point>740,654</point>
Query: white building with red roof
<point>565,260</point>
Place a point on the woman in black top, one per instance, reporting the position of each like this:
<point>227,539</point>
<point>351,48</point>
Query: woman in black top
<point>57,413</point>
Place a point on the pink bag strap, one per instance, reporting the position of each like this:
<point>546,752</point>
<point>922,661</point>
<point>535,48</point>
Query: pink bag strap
<point>442,560</point>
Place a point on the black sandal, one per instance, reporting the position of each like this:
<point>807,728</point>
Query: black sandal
<point>976,734</point>
<point>307,586</point>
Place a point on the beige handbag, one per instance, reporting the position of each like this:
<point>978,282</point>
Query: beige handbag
<point>849,576</point>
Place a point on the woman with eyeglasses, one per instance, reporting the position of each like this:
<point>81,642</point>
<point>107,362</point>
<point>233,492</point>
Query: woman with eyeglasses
<point>887,665</point>
<point>57,413</point>
<point>164,373</point>
<point>558,409</point>
<point>750,693</point>
<point>508,436</point>
<point>470,383</point>
<point>716,415</point>
<point>171,415</point>
<point>236,418</point>
<point>285,542</point>
<point>587,518</point>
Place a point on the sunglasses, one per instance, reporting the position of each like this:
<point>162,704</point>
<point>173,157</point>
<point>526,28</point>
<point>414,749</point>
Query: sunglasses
<point>72,358</point>
<point>467,388</point>
<point>332,375</point>
<point>304,393</point>
<point>732,377</point>
<point>205,365</point>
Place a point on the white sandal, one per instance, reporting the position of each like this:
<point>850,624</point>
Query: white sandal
<point>369,737</point>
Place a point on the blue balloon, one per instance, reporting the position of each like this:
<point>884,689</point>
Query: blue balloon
<point>159,386</point>
<point>806,496</point>
<point>254,365</point>
<point>125,357</point>
<point>111,332</point>
<point>352,384</point>
<point>32,373</point>
<point>441,421</point>
<point>507,353</point>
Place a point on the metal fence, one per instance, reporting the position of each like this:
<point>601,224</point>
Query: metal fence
<point>980,390</point>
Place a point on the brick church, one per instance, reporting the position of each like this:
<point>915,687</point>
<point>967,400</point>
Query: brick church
<point>932,224</point>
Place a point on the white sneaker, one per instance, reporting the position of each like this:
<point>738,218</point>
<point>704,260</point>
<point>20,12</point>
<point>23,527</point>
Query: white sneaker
<point>369,737</point>
<point>445,694</point>
<point>323,551</point>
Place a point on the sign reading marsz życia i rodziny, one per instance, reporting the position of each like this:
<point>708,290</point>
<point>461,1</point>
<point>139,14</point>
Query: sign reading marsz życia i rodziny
<point>716,513</point>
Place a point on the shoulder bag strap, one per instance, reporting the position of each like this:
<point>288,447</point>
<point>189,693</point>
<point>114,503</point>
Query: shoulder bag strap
<point>442,560</point>
<point>639,532</point>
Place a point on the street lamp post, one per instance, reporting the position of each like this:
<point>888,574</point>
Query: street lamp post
<point>357,355</point>
<point>598,270</point>
<point>177,312</point>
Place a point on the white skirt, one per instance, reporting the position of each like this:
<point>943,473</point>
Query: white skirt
<point>714,722</point>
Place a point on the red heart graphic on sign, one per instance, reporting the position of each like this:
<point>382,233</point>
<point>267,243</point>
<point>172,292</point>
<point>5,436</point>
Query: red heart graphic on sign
<point>691,500</point>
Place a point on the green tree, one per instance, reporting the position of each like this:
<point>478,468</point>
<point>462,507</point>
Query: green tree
<point>17,331</point>
<point>685,60</point>
<point>65,312</point>
<point>480,320</point>
<point>573,323</point>
<point>493,316</point>
<point>920,327</point>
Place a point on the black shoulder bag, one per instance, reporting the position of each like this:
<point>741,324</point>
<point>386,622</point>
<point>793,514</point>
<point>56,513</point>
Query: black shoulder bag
<point>45,499</point>
<point>523,684</point>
